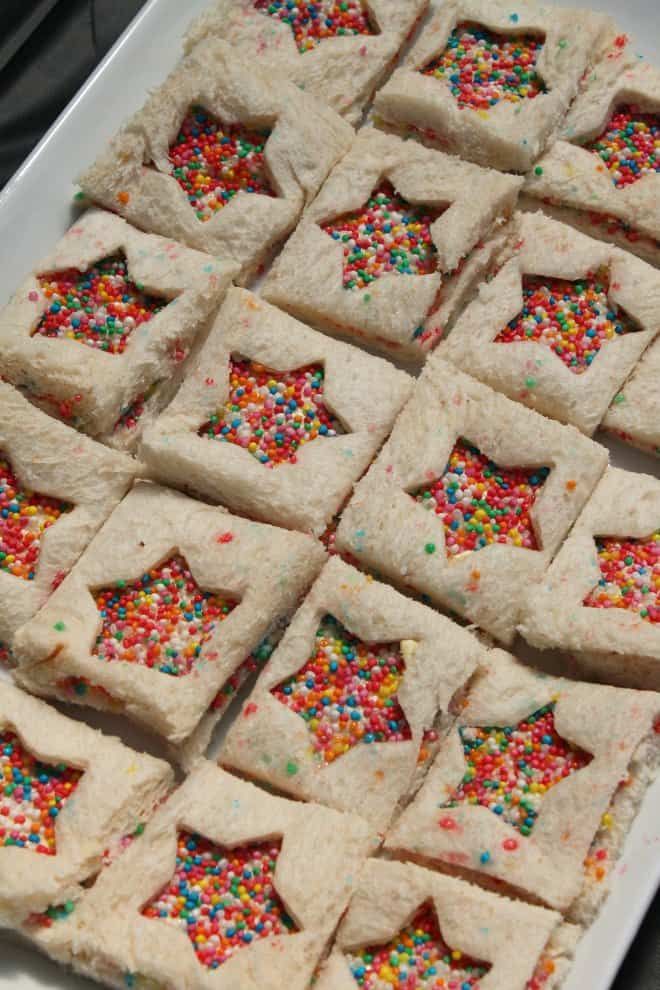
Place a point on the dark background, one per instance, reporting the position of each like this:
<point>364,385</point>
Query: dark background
<point>47,50</point>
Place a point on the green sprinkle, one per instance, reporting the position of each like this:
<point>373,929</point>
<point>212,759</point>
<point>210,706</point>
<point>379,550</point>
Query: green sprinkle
<point>618,399</point>
<point>538,170</point>
<point>59,626</point>
<point>530,382</point>
<point>291,769</point>
<point>429,548</point>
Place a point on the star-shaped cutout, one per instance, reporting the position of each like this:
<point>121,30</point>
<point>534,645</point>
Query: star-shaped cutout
<point>573,319</point>
<point>509,769</point>
<point>347,692</point>
<point>481,503</point>
<point>213,162</point>
<point>32,795</point>
<point>161,621</point>
<point>483,68</point>
<point>387,236</point>
<point>630,576</point>
<point>629,145</point>
<point>100,307</point>
<point>271,414</point>
<point>223,899</point>
<point>311,22</point>
<point>417,958</point>
<point>25,516</point>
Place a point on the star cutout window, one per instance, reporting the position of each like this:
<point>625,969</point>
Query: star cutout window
<point>481,503</point>
<point>223,899</point>
<point>213,161</point>
<point>573,319</point>
<point>271,414</point>
<point>32,795</point>
<point>311,22</point>
<point>388,235</point>
<point>417,958</point>
<point>629,145</point>
<point>510,769</point>
<point>161,621</point>
<point>347,692</point>
<point>483,69</point>
<point>100,307</point>
<point>630,576</point>
<point>24,518</point>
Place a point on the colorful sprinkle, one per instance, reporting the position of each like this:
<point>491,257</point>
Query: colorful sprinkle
<point>417,958</point>
<point>32,795</point>
<point>482,68</point>
<point>162,620</point>
<point>388,236</point>
<point>312,22</point>
<point>347,692</point>
<point>573,319</point>
<point>130,415</point>
<point>24,518</point>
<point>509,770</point>
<point>231,687</point>
<point>481,503</point>
<point>223,899</point>
<point>630,576</point>
<point>544,970</point>
<point>53,914</point>
<point>100,307</point>
<point>629,145</point>
<point>271,414</point>
<point>212,162</point>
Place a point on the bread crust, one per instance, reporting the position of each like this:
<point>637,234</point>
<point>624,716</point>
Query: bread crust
<point>509,136</point>
<point>113,938</point>
<point>548,865</point>
<point>530,372</point>
<point>307,280</point>
<point>99,385</point>
<point>266,569</point>
<point>615,645</point>
<point>635,411</point>
<point>306,140</point>
<point>341,71</point>
<point>364,392</point>
<point>389,531</point>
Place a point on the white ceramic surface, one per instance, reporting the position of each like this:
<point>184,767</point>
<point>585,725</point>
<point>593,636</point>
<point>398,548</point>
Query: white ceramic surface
<point>36,209</point>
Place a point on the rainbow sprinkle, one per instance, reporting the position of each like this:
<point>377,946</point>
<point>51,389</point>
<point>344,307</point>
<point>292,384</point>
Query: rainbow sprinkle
<point>100,307</point>
<point>32,795</point>
<point>223,899</point>
<point>212,162</point>
<point>271,414</point>
<point>162,620</point>
<point>312,22</point>
<point>509,770</point>
<point>483,68</point>
<point>573,319</point>
<point>630,576</point>
<point>629,145</point>
<point>481,503</point>
<point>232,686</point>
<point>388,236</point>
<point>347,692</point>
<point>24,518</point>
<point>417,958</point>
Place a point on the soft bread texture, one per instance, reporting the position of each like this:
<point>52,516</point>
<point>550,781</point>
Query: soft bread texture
<point>364,392</point>
<point>510,937</point>
<point>548,865</point>
<point>341,71</point>
<point>113,938</point>
<point>635,412</point>
<point>266,569</point>
<point>118,789</point>
<point>52,459</point>
<point>509,136</point>
<point>439,657</point>
<point>306,140</point>
<point>529,371</point>
<point>96,384</point>
<point>307,278</point>
<point>614,645</point>
<point>387,530</point>
<point>572,176</point>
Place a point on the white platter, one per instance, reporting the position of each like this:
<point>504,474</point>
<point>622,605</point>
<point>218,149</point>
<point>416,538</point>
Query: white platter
<point>36,209</point>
